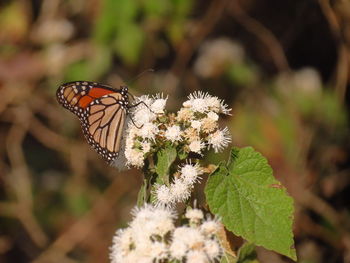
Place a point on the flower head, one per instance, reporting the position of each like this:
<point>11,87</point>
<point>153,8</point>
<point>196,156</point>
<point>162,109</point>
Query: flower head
<point>196,146</point>
<point>194,128</point>
<point>173,133</point>
<point>141,114</point>
<point>194,215</point>
<point>190,173</point>
<point>158,104</point>
<point>163,196</point>
<point>180,190</point>
<point>134,157</point>
<point>153,237</point>
<point>219,140</point>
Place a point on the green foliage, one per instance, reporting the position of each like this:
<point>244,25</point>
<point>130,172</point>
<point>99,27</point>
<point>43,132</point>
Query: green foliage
<point>165,157</point>
<point>250,201</point>
<point>227,258</point>
<point>177,25</point>
<point>122,24</point>
<point>116,26</point>
<point>157,8</point>
<point>142,195</point>
<point>93,68</point>
<point>129,42</point>
<point>247,254</point>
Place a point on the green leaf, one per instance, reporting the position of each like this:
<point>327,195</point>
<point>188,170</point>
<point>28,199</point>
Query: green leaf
<point>247,254</point>
<point>182,154</point>
<point>251,202</point>
<point>227,258</point>
<point>165,158</point>
<point>142,195</point>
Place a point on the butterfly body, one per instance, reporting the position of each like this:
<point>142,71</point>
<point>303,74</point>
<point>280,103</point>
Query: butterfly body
<point>102,111</point>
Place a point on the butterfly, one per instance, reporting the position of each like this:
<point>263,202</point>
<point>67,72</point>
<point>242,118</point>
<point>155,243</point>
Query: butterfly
<point>102,111</point>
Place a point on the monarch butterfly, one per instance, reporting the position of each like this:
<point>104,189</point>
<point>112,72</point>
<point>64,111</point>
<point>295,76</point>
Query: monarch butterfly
<point>102,111</point>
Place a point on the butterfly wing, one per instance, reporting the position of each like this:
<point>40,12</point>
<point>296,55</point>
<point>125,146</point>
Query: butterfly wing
<point>76,96</point>
<point>103,124</point>
<point>102,112</point>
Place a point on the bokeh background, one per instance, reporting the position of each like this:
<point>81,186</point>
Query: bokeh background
<point>283,67</point>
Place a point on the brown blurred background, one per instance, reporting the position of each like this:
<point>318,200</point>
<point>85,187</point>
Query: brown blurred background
<point>283,66</point>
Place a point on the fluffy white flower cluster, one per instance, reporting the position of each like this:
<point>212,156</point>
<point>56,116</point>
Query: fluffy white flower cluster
<point>194,127</point>
<point>143,128</point>
<point>180,189</point>
<point>199,116</point>
<point>153,237</point>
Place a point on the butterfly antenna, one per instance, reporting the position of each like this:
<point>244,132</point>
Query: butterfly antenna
<point>139,75</point>
<point>130,82</point>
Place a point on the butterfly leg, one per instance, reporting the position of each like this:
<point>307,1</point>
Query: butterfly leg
<point>135,105</point>
<point>140,102</point>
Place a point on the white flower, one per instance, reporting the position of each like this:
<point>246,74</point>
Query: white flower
<point>145,99</point>
<point>217,105</point>
<point>192,237</point>
<point>159,215</point>
<point>196,124</point>
<point>143,116</point>
<point>150,222</point>
<point>122,244</point>
<point>148,130</point>
<point>142,113</point>
<point>224,109</point>
<point>134,157</point>
<point>197,256</point>
<point>136,244</point>
<point>163,196</point>
<point>210,227</point>
<point>212,249</point>
<point>190,173</point>
<point>196,146</point>
<point>213,116</point>
<point>198,105</point>
<point>158,251</point>
<point>180,190</point>
<point>146,147</point>
<point>209,125</point>
<point>185,114</point>
<point>202,102</point>
<point>173,133</point>
<point>197,101</point>
<point>153,237</point>
<point>159,104</point>
<point>178,249</point>
<point>214,104</point>
<point>219,139</point>
<point>194,215</point>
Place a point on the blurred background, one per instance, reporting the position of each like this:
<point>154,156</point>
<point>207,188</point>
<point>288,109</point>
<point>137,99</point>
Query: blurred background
<point>283,67</point>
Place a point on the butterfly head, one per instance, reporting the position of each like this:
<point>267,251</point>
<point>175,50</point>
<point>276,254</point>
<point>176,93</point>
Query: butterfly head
<point>124,90</point>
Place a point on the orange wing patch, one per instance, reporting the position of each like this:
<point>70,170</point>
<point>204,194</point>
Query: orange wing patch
<point>94,93</point>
